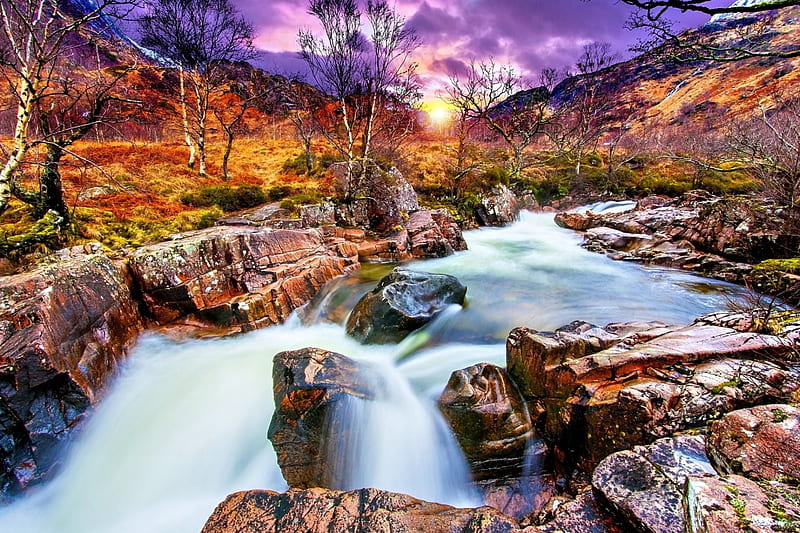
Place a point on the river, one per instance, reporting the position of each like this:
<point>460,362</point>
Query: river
<point>184,424</point>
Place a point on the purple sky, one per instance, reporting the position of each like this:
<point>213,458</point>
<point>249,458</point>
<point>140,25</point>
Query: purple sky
<point>531,34</point>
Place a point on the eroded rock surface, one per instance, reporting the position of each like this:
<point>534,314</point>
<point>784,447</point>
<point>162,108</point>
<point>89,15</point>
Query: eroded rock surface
<point>489,419</point>
<point>326,511</point>
<point>238,277</point>
<point>64,328</point>
<point>499,208</point>
<point>402,302</point>
<point>761,442</point>
<point>309,386</point>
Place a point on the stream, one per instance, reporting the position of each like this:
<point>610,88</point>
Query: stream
<point>184,424</point>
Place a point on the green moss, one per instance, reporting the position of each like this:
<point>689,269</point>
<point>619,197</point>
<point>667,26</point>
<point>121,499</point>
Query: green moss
<point>719,389</point>
<point>790,266</point>
<point>226,197</point>
<point>779,415</point>
<point>739,508</point>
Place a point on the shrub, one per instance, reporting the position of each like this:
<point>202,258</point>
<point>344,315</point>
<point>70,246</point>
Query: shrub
<point>226,197</point>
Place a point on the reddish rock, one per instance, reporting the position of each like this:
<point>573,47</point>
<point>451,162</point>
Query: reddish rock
<point>326,511</point>
<point>498,208</point>
<point>238,277</point>
<point>64,328</point>
<point>309,386</point>
<point>582,515</point>
<point>576,221</point>
<point>760,443</point>
<point>434,234</point>
<point>644,386</point>
<point>393,248</point>
<point>734,504</point>
<point>489,419</point>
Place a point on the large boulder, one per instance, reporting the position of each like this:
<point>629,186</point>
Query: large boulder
<point>64,329</point>
<point>434,234</point>
<point>760,442</point>
<point>644,486</point>
<point>327,511</point>
<point>402,302</point>
<point>376,199</point>
<point>489,419</point>
<point>598,398</point>
<point>498,208</point>
<point>311,386</point>
<point>733,504</point>
<point>238,277</point>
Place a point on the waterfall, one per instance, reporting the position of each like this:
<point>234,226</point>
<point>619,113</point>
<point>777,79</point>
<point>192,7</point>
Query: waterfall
<point>184,423</point>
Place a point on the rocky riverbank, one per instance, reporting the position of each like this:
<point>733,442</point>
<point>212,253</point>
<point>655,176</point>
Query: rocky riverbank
<point>735,239</point>
<point>635,427</point>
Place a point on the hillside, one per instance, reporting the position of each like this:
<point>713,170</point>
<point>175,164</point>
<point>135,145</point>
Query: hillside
<point>703,94</point>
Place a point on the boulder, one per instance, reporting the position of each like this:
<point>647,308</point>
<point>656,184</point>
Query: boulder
<point>402,302</point>
<point>434,234</point>
<point>238,277</point>
<point>316,215</point>
<point>498,208</point>
<point>489,419</point>
<point>732,504</point>
<point>309,386</point>
<point>581,515</point>
<point>377,199</point>
<point>644,486</point>
<point>64,329</point>
<point>760,443</point>
<point>327,511</point>
<point>617,393</point>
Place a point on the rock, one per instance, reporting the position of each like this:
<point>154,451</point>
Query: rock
<point>393,247</point>
<point>620,392</point>
<point>266,212</point>
<point>499,208</point>
<point>375,199</point>
<point>644,486</point>
<point>93,193</point>
<point>364,510</point>
<point>64,329</point>
<point>309,386</point>
<point>582,515</point>
<point>732,504</point>
<point>317,215</point>
<point>489,419</point>
<point>760,443</point>
<point>434,234</point>
<point>602,239</point>
<point>402,302</point>
<point>238,277</point>
<point>518,497</point>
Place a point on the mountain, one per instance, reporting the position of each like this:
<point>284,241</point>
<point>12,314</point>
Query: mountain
<point>700,94</point>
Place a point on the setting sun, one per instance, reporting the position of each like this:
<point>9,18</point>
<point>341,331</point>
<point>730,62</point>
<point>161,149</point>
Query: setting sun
<point>438,112</point>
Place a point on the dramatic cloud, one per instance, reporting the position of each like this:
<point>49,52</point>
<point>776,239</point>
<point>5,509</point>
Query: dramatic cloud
<point>531,34</point>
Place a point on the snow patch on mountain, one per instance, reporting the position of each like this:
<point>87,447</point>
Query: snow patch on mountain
<point>726,18</point>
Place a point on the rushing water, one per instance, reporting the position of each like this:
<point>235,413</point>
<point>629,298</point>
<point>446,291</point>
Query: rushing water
<point>184,424</point>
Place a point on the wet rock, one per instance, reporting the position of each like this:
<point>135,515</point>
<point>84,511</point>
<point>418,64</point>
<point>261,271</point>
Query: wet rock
<point>518,497</point>
<point>402,302</point>
<point>490,421</point>
<point>644,386</point>
<point>238,277</point>
<point>499,208</point>
<point>732,504</point>
<point>602,239</point>
<point>434,234</point>
<point>760,443</point>
<point>326,511</point>
<point>581,515</point>
<point>309,386</point>
<point>644,486</point>
<point>64,329</point>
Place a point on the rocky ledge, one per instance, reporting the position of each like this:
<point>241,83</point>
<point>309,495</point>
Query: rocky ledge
<point>717,237</point>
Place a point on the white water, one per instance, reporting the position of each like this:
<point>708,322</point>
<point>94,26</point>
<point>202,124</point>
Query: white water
<point>185,424</point>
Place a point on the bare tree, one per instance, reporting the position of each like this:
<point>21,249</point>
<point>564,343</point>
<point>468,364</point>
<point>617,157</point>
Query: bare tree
<point>585,117</point>
<point>770,145</point>
<point>364,75</point>
<point>56,103</point>
<point>200,37</point>
<point>497,97</point>
<point>750,40</point>
<point>303,105</point>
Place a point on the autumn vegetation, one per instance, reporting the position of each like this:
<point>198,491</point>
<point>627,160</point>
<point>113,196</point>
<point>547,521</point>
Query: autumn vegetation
<point>124,150</point>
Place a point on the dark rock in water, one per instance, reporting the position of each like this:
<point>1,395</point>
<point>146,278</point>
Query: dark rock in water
<point>402,302</point>
<point>364,510</point>
<point>644,486</point>
<point>489,419</point>
<point>309,385</point>
<point>64,328</point>
<point>761,442</point>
